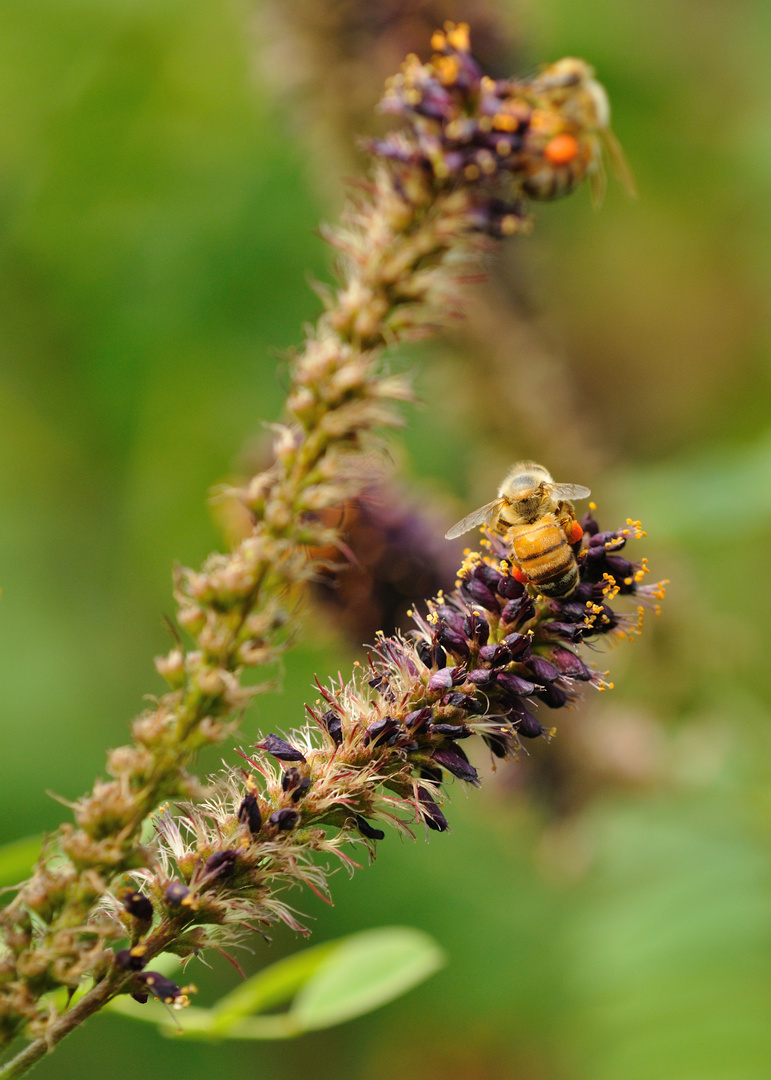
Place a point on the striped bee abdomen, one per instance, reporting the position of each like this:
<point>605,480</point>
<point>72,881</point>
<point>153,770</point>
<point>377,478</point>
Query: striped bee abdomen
<point>544,556</point>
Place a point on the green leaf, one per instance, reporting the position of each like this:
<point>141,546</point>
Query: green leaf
<point>330,983</point>
<point>272,986</point>
<point>192,1021</point>
<point>17,859</point>
<point>364,972</point>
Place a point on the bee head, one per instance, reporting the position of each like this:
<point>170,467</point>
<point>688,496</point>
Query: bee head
<point>570,84</point>
<point>525,488</point>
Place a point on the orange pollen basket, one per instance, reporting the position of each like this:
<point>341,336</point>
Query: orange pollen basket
<point>562,149</point>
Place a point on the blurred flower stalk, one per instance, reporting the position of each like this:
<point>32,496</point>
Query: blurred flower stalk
<point>378,747</point>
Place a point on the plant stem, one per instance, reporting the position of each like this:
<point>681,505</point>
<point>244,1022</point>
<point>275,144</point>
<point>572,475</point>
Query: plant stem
<point>90,1003</point>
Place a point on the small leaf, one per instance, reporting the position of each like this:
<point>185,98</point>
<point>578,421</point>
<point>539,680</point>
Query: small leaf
<point>194,1022</point>
<point>366,971</point>
<point>18,858</point>
<point>331,983</point>
<point>272,986</point>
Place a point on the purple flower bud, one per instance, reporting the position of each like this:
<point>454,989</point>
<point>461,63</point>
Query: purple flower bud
<point>462,701</point>
<point>455,761</point>
<point>587,590</point>
<point>623,571</point>
<point>543,671</point>
<point>249,813</point>
<point>572,611</point>
<point>510,588</point>
<point>600,539</point>
<point>453,641</point>
<point>284,820</point>
<point>432,815</point>
<point>220,864</point>
<point>381,730</point>
<point>434,110</point>
<point>521,609</point>
<point>589,525</point>
<point>496,655</point>
<point>380,683</point>
<point>450,617</point>
<point>488,574</point>
<point>553,696</point>
<point>452,731</point>
<point>424,652</point>
<point>481,676</point>
<point>440,680</point>
<point>518,645</point>
<point>368,830</point>
<point>477,627</point>
<point>333,726</point>
<point>290,779</point>
<point>159,986</point>
<point>175,894</point>
<point>514,684</point>
<point>280,748</point>
<point>498,745</point>
<point>416,721</point>
<point>130,959</point>
<point>141,998</point>
<point>295,784</point>
<point>524,723</point>
<point>480,594</point>
<point>569,664</point>
<point>604,621</point>
<point>138,905</point>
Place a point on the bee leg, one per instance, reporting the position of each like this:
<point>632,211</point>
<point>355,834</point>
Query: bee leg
<point>575,532</point>
<point>518,575</point>
<point>567,521</point>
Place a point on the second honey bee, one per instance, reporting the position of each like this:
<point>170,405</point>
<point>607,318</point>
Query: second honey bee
<point>536,517</point>
<point>570,133</point>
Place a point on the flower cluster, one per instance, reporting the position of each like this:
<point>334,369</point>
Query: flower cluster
<point>511,138</point>
<point>489,659</point>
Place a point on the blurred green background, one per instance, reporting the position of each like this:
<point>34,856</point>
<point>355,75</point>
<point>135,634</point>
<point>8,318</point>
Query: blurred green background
<point>163,165</point>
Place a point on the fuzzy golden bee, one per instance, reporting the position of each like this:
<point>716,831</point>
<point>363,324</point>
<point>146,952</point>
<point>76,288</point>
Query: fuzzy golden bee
<point>569,134</point>
<point>536,517</point>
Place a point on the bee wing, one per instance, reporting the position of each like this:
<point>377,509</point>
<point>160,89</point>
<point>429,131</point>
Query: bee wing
<point>482,516</point>
<point>598,184</point>
<point>569,491</point>
<point>618,162</point>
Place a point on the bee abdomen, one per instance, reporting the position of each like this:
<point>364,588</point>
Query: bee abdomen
<point>543,554</point>
<point>563,585</point>
<point>549,183</point>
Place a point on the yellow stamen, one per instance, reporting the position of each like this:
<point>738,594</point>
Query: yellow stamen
<point>459,37</point>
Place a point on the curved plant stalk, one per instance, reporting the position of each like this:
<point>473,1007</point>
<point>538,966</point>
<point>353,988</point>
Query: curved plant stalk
<point>442,190</point>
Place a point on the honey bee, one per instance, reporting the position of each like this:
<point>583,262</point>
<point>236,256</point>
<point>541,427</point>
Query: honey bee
<point>536,517</point>
<point>569,134</point>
